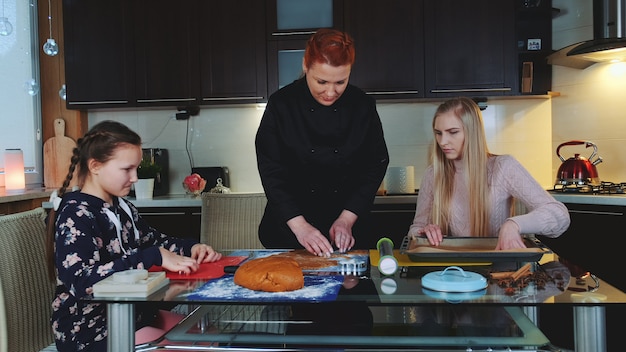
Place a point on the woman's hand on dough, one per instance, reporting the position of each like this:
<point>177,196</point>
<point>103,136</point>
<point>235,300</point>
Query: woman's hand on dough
<point>309,237</point>
<point>341,231</point>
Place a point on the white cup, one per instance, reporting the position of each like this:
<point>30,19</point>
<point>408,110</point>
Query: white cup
<point>400,180</point>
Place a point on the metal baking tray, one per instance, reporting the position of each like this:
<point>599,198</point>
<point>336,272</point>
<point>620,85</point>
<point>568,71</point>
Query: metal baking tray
<point>470,250</point>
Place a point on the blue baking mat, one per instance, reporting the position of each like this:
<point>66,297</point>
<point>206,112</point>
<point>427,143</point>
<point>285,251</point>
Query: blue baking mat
<point>255,254</point>
<point>320,288</point>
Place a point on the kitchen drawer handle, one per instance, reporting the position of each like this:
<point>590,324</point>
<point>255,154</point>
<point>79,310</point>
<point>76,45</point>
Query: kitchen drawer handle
<point>231,98</point>
<point>471,90</point>
<point>393,92</point>
<point>98,102</point>
<point>394,211</point>
<point>292,33</point>
<point>596,212</point>
<point>159,214</point>
<point>164,100</point>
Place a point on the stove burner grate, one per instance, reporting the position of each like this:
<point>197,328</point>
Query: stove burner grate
<point>585,188</point>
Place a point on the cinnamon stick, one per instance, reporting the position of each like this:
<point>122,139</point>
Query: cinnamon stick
<point>521,271</point>
<point>501,274</point>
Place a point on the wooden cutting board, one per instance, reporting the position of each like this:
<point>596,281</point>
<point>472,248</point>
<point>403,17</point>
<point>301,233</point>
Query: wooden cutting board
<point>57,154</point>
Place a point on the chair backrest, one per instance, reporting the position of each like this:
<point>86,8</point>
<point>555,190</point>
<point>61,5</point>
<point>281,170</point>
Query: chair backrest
<point>231,220</point>
<point>26,292</point>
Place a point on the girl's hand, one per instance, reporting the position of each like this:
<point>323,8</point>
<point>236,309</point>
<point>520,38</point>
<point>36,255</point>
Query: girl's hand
<point>509,236</point>
<point>203,253</point>
<point>177,263</point>
<point>433,233</point>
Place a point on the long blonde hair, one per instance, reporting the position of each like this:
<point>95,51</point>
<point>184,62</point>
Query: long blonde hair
<point>475,156</point>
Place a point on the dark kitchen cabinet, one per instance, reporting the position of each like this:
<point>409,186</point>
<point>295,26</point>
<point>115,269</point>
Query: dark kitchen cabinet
<point>284,59</point>
<point>166,52</point>
<point>175,221</point>
<point>158,53</point>
<point>232,61</point>
<point>289,24</point>
<point>590,241</point>
<point>387,220</point>
<point>533,31</point>
<point>298,19</point>
<point>99,54</point>
<point>470,48</point>
<point>389,46</point>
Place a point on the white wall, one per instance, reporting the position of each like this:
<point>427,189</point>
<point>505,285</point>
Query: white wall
<point>592,102</point>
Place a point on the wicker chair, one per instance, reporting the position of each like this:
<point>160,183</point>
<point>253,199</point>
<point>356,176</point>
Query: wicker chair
<point>26,292</point>
<point>231,220</point>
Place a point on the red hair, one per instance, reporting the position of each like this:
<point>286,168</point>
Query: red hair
<point>329,46</point>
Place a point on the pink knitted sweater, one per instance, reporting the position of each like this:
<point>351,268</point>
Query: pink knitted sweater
<point>508,179</point>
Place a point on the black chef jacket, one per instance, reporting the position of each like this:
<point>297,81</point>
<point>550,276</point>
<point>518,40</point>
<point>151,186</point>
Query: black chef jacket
<point>317,160</point>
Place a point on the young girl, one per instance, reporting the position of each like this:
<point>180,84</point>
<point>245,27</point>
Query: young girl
<point>95,232</point>
<point>467,191</point>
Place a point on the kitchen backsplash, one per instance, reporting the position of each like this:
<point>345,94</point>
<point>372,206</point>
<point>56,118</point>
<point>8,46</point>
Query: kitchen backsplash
<point>590,107</point>
<point>225,137</point>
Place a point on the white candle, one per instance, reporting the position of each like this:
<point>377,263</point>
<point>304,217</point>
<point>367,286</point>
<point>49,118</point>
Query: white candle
<point>14,169</point>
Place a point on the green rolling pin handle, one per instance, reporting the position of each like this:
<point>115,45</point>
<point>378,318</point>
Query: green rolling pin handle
<point>387,263</point>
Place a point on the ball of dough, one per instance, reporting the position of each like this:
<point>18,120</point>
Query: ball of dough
<point>270,274</point>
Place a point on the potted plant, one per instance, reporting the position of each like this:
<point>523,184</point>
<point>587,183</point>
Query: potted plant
<point>146,173</point>
<point>148,169</point>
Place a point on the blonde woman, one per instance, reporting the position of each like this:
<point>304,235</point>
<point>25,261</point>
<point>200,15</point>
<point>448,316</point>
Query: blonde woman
<point>468,191</point>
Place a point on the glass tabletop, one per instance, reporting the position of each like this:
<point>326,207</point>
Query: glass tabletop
<point>367,309</point>
<point>552,284</point>
<point>357,325</point>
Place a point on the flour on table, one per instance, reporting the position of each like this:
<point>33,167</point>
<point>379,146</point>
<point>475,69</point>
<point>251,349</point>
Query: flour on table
<point>316,288</point>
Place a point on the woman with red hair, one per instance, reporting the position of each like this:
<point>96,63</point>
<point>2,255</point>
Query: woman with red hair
<point>321,153</point>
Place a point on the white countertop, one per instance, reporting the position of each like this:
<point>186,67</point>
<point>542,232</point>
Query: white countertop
<point>183,200</point>
<point>595,199</point>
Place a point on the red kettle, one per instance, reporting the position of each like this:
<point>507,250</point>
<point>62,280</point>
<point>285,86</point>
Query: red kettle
<point>578,170</point>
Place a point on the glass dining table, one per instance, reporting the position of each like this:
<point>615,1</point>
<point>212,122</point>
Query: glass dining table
<point>365,310</point>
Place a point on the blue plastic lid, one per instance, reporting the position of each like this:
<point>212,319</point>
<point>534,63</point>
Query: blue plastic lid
<point>455,297</point>
<point>454,279</point>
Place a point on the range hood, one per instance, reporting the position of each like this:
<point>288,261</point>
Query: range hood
<point>609,43</point>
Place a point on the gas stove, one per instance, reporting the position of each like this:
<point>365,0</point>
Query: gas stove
<point>604,188</point>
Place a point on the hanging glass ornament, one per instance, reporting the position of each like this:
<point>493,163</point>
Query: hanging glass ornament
<point>63,92</point>
<point>32,87</point>
<point>6,27</point>
<point>50,47</point>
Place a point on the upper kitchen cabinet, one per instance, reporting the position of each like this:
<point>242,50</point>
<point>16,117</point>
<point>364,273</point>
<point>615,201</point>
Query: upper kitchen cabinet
<point>99,55</point>
<point>232,52</point>
<point>470,48</point>
<point>289,24</point>
<point>166,52</point>
<point>533,23</point>
<point>147,53</point>
<point>388,38</point>
<point>298,19</point>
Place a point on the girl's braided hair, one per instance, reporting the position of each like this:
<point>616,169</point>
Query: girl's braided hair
<point>99,144</point>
